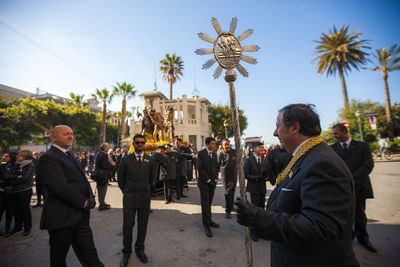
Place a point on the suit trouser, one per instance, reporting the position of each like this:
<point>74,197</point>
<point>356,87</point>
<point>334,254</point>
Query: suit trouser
<point>180,181</point>
<point>23,210</point>
<point>80,237</point>
<point>229,201</point>
<point>102,190</point>
<point>39,190</point>
<point>128,224</point>
<point>168,184</point>
<point>258,199</point>
<point>360,224</point>
<point>206,198</point>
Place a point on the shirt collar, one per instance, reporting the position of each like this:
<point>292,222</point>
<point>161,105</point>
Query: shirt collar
<point>348,141</point>
<point>138,154</point>
<point>63,150</point>
<point>208,151</point>
<point>299,146</point>
<point>257,156</point>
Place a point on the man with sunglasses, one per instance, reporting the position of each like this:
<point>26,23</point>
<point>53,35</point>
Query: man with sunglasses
<point>134,179</point>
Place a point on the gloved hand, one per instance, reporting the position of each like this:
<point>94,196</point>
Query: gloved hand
<point>246,213</point>
<point>92,202</point>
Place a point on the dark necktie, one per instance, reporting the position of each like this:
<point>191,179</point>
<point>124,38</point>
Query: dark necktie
<point>259,162</point>
<point>72,157</point>
<point>345,147</point>
<point>210,154</point>
<point>139,159</point>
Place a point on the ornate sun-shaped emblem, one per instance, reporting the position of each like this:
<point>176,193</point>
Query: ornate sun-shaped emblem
<point>227,49</point>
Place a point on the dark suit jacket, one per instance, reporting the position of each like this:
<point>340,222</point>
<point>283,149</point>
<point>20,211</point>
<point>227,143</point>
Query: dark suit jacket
<point>207,167</point>
<point>256,176</point>
<point>134,180</point>
<point>181,165</point>
<point>277,160</point>
<point>309,218</point>
<point>227,167</point>
<point>359,160</point>
<point>67,190</point>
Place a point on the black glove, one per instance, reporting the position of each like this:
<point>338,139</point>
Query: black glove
<point>92,202</point>
<point>246,213</point>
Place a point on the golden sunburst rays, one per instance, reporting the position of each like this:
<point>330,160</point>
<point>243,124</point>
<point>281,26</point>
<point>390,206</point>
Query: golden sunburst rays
<point>227,49</point>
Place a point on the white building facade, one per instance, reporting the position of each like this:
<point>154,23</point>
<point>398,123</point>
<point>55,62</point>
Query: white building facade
<point>190,116</point>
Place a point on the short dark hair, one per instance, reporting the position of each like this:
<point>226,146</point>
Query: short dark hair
<point>209,139</point>
<point>341,127</point>
<point>139,136</point>
<point>27,154</point>
<point>305,115</point>
<point>256,144</point>
<point>225,139</point>
<point>161,147</point>
<point>179,139</point>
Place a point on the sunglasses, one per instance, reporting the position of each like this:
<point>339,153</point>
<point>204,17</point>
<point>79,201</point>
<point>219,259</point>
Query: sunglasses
<point>140,142</point>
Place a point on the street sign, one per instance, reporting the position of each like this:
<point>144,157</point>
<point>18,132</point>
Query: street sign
<point>345,124</point>
<point>372,120</point>
<point>372,114</point>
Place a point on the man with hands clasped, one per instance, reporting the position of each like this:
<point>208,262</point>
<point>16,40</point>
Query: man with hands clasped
<point>208,177</point>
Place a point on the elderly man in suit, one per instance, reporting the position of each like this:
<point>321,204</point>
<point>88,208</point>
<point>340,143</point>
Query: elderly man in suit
<point>208,177</point>
<point>134,180</point>
<point>69,197</point>
<point>256,173</point>
<point>227,167</point>
<point>309,215</point>
<point>357,156</point>
<point>104,167</point>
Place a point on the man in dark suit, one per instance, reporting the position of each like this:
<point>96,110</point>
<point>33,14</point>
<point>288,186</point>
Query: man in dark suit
<point>208,177</point>
<point>134,179</point>
<point>310,213</point>
<point>277,160</point>
<point>104,168</point>
<point>181,167</point>
<point>357,156</point>
<point>256,174</point>
<point>69,197</point>
<point>227,167</point>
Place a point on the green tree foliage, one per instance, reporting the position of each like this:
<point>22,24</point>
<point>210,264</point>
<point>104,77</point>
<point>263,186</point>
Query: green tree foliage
<point>112,133</point>
<point>12,131</point>
<point>172,70</point>
<point>339,52</point>
<point>387,61</point>
<point>78,100</point>
<point>217,115</point>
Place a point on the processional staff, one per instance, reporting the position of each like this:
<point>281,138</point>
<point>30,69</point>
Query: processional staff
<point>228,52</point>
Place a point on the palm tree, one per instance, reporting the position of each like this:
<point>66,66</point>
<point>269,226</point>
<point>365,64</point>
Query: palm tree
<point>339,51</point>
<point>125,90</point>
<point>387,61</point>
<point>104,96</point>
<point>171,67</point>
<point>77,99</point>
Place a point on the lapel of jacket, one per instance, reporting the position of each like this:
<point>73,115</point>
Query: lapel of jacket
<point>67,158</point>
<point>339,149</point>
<point>285,182</point>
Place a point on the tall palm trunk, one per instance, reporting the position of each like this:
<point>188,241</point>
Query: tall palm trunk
<point>170,90</point>
<point>388,107</point>
<point>103,124</point>
<point>344,89</point>
<point>123,115</point>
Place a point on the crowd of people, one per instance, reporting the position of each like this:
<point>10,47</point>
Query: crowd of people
<point>309,217</point>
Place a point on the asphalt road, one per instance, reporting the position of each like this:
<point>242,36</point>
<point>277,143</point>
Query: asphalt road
<point>176,238</point>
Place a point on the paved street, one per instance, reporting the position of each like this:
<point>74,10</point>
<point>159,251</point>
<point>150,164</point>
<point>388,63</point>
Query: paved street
<point>175,235</point>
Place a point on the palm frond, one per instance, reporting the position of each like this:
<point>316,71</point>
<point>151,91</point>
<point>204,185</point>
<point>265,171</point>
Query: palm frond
<point>206,38</point>
<point>216,26</point>
<point>244,35</point>
<point>209,63</point>
<point>232,26</point>
<point>203,51</point>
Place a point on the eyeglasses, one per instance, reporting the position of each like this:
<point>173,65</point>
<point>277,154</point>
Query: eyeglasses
<point>140,142</point>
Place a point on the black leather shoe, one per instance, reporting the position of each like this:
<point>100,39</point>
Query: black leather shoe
<point>12,232</point>
<point>368,245</point>
<point>228,215</point>
<point>142,256</point>
<point>105,207</point>
<point>26,232</point>
<point>215,225</point>
<point>208,232</point>
<point>253,237</point>
<point>124,261</point>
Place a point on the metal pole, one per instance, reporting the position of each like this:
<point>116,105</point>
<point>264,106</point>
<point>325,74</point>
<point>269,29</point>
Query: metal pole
<point>226,130</point>
<point>230,77</point>
<point>359,126</point>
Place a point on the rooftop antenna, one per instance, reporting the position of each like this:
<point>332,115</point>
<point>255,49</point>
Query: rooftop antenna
<point>155,80</point>
<point>195,92</point>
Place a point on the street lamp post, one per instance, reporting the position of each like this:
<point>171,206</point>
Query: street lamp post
<point>226,129</point>
<point>358,114</point>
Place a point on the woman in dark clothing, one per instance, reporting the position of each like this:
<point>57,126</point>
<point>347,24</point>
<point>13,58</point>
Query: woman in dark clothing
<point>22,186</point>
<point>7,198</point>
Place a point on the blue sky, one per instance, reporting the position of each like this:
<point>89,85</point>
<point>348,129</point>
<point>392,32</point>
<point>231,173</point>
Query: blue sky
<point>94,44</point>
